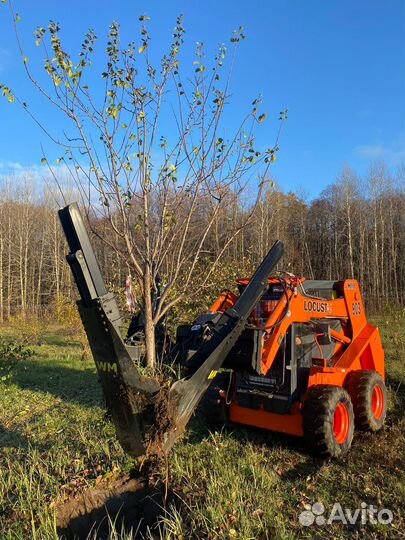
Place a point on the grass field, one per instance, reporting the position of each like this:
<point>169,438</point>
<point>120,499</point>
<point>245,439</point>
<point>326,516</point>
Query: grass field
<point>56,441</point>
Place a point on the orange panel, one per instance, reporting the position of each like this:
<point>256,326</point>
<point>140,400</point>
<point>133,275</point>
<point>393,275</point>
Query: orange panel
<point>365,352</point>
<point>331,376</point>
<point>283,423</point>
<point>223,302</point>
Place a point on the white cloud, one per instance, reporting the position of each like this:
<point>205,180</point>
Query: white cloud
<point>43,182</point>
<point>392,153</point>
<point>12,168</point>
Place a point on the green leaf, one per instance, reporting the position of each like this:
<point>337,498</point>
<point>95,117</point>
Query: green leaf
<point>17,18</point>
<point>25,60</point>
<point>43,161</point>
<point>57,80</point>
<point>11,98</point>
<point>141,49</point>
<point>262,118</point>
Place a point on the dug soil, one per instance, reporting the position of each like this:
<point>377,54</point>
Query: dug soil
<point>131,504</point>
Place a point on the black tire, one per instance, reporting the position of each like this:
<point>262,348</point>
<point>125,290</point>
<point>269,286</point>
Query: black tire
<point>213,407</point>
<point>328,420</point>
<point>369,397</point>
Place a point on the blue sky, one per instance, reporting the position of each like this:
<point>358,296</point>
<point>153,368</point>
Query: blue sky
<point>337,65</point>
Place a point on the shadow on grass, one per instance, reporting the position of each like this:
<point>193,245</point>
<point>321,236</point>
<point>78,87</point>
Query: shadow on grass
<point>199,431</point>
<point>60,340</point>
<point>398,393</point>
<point>73,385</point>
<point>13,439</point>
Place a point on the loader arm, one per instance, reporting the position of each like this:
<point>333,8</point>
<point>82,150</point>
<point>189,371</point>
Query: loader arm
<point>129,396</point>
<point>185,394</point>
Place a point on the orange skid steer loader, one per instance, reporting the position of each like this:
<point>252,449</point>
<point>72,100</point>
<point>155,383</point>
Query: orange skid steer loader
<point>307,363</point>
<point>285,354</point>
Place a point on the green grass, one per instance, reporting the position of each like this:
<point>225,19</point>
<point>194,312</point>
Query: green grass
<point>55,441</point>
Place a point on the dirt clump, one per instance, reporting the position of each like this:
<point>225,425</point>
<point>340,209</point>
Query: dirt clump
<point>162,425</point>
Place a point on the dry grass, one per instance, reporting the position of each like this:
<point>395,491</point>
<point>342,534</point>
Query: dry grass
<point>56,441</point>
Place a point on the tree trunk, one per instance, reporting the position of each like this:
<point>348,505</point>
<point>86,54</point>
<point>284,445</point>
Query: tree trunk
<point>9,291</point>
<point>1,278</point>
<point>149,325</point>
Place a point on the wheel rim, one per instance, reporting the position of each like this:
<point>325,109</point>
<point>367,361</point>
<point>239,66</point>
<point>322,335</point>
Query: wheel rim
<point>377,402</point>
<point>341,423</point>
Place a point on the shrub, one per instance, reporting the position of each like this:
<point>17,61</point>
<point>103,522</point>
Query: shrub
<point>67,315</point>
<point>10,354</point>
<point>29,329</point>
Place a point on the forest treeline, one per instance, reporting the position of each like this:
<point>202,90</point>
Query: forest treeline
<point>355,228</point>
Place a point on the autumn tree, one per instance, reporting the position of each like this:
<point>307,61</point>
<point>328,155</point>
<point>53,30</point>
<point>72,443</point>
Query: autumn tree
<point>150,153</point>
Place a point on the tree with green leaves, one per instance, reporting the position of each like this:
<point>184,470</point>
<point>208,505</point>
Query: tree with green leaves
<point>149,152</point>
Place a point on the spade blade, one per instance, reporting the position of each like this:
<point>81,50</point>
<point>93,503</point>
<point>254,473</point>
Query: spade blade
<point>185,394</point>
